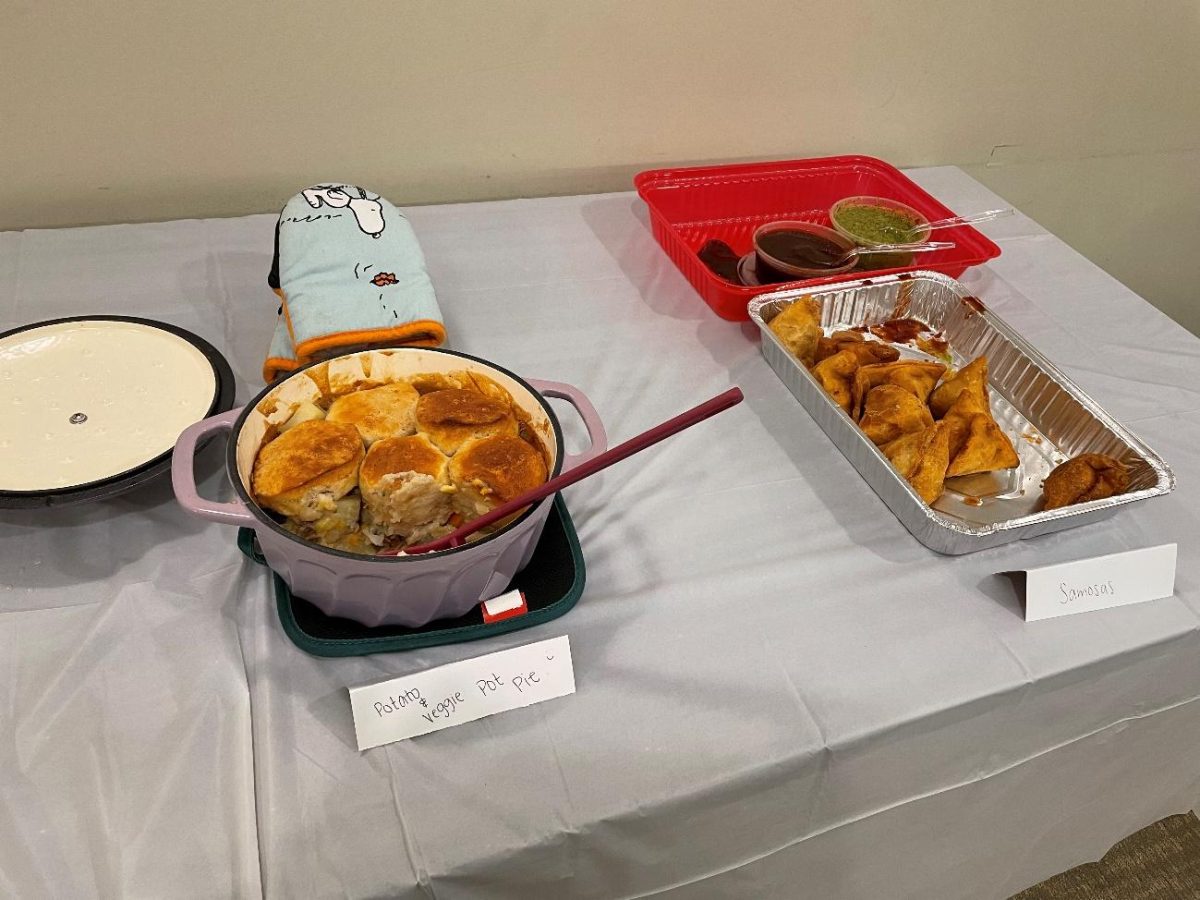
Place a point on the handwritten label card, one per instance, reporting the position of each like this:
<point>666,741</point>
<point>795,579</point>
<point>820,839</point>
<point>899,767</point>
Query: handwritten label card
<point>461,692</point>
<point>1101,582</point>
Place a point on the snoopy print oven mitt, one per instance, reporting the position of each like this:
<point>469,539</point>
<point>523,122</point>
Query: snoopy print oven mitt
<point>351,275</point>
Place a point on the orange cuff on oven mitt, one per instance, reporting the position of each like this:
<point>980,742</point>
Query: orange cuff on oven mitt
<point>351,275</point>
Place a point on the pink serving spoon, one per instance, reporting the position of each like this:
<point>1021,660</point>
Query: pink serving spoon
<point>719,403</point>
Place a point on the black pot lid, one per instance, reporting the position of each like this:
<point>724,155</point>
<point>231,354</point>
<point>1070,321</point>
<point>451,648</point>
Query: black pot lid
<point>94,404</point>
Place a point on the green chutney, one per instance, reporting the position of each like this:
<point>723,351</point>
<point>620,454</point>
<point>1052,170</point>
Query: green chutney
<point>877,225</point>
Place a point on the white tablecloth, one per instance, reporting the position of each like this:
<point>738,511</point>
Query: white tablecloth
<point>780,692</point>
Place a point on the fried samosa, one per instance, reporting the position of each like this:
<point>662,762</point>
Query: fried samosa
<point>867,351</point>
<point>973,375</point>
<point>1089,476</point>
<point>870,353</point>
<point>827,346</point>
<point>836,375</point>
<point>977,443</point>
<point>799,328</point>
<point>890,412</point>
<point>922,458</point>
<point>918,378</point>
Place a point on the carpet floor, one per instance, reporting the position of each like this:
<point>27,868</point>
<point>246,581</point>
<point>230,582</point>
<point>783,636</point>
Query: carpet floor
<point>1160,862</point>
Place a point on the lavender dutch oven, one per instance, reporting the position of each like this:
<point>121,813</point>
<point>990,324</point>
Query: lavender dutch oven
<point>400,590</point>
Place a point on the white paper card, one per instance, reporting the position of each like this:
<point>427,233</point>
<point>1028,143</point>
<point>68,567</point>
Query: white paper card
<point>1101,582</point>
<point>461,692</point>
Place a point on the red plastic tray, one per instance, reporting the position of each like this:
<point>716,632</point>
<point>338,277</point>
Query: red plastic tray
<point>694,205</point>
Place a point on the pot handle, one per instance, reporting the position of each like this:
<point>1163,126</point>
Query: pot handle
<point>587,412</point>
<point>183,474</point>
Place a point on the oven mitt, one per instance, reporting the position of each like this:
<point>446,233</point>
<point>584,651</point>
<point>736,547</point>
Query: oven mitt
<point>351,276</point>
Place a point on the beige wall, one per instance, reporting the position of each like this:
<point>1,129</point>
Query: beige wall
<point>1085,113</point>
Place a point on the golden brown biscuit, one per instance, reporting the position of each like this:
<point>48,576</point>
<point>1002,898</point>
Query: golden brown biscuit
<point>462,379</point>
<point>387,411</point>
<point>306,470</point>
<point>407,453</point>
<point>488,387</point>
<point>452,417</point>
<point>428,382</point>
<point>405,487</point>
<point>492,470</point>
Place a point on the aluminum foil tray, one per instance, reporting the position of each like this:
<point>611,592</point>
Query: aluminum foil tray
<point>1047,417</point>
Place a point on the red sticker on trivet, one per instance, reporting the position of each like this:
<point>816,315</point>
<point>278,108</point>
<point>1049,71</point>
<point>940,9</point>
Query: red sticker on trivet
<point>506,606</point>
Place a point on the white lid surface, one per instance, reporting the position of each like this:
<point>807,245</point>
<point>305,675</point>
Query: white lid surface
<point>87,400</point>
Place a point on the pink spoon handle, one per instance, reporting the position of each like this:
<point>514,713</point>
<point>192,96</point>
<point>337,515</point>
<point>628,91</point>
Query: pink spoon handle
<point>696,414</point>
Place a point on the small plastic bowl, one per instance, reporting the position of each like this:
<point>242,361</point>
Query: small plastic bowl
<point>772,271</point>
<point>880,260</point>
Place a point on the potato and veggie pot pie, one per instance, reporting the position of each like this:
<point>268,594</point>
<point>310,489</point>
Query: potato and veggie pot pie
<point>361,466</point>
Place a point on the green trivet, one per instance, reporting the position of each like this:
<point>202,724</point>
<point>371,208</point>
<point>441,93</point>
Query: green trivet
<point>552,583</point>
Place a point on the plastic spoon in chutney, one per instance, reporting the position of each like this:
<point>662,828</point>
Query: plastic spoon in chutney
<point>812,251</point>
